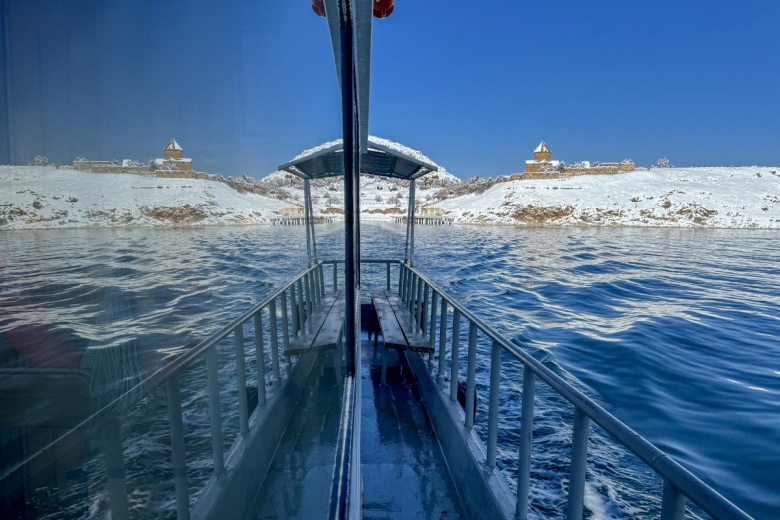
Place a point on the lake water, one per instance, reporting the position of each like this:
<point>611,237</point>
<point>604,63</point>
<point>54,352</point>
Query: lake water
<point>674,331</point>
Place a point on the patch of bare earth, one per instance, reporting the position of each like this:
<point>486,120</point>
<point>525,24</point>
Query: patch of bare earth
<point>599,215</point>
<point>175,214</point>
<point>698,214</point>
<point>649,215</point>
<point>333,211</point>
<point>57,215</point>
<point>385,211</point>
<point>541,214</point>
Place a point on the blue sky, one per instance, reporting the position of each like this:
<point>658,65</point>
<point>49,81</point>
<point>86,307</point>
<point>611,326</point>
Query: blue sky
<point>246,85</point>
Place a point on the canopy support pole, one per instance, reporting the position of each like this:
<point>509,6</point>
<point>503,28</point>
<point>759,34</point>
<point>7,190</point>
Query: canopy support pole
<point>307,218</point>
<point>310,222</point>
<point>410,224</point>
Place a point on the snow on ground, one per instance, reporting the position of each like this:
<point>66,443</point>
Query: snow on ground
<point>739,197</point>
<point>45,197</point>
<point>733,197</point>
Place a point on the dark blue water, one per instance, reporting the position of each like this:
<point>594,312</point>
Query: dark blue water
<point>674,331</point>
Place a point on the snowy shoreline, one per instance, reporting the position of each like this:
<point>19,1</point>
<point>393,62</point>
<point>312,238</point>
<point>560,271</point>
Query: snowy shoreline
<point>33,197</point>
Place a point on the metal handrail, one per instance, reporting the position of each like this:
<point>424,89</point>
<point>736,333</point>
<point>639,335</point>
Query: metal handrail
<point>679,482</point>
<point>417,290</point>
<point>309,281</point>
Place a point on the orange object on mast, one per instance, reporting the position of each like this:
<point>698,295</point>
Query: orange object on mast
<point>318,6</point>
<point>383,8</point>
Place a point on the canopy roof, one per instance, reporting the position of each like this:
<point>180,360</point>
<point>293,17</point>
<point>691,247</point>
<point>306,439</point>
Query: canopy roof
<point>378,159</point>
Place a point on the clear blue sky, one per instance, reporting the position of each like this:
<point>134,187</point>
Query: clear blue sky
<point>246,85</point>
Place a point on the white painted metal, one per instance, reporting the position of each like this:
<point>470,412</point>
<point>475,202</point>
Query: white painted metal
<point>495,382</point>
<point>115,468</point>
<point>177,448</point>
<point>274,343</point>
<point>260,356</point>
<point>673,503</point>
<point>526,436</point>
<point>215,413</point>
<point>471,375</point>
<point>455,354</point>
<point>243,405</point>
<point>579,459</point>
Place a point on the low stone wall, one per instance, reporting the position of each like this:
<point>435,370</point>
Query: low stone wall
<point>179,174</point>
<point>532,176</point>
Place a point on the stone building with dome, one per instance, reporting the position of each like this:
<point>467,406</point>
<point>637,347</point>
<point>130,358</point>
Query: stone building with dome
<point>542,160</point>
<point>172,165</point>
<point>174,155</point>
<point>542,166</point>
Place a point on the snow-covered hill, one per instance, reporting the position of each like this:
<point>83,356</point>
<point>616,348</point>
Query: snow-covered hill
<point>739,197</point>
<point>45,197</point>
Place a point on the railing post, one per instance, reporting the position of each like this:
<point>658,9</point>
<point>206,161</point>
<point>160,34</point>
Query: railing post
<point>388,275</point>
<point>177,448</point>
<point>301,306</point>
<point>309,294</point>
<point>526,433</point>
<point>243,405</point>
<point>214,411</point>
<point>260,358</point>
<point>402,280</point>
<point>472,375</point>
<point>321,271</point>
<point>306,295</point>
<point>579,460</point>
<point>442,340</point>
<point>419,300</point>
<point>424,311</point>
<point>294,310</point>
<point>673,504</point>
<point>274,343</point>
<point>315,278</point>
<point>409,287</point>
<point>432,327</point>
<point>285,326</point>
<point>410,295</point>
<point>495,381</point>
<point>455,355</point>
<point>335,276</point>
<point>115,468</point>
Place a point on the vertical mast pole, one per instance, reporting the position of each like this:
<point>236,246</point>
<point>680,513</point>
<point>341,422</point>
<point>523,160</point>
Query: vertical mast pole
<point>351,186</point>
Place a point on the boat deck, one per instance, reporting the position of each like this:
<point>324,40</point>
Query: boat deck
<point>404,472</point>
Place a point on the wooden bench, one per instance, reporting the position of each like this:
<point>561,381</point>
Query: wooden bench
<point>399,328</point>
<point>322,330</point>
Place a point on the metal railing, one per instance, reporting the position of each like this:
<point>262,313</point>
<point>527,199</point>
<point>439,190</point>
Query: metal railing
<point>428,303</point>
<point>423,297</point>
<point>296,300</point>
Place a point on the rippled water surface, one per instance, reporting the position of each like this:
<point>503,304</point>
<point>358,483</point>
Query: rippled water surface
<point>674,331</point>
